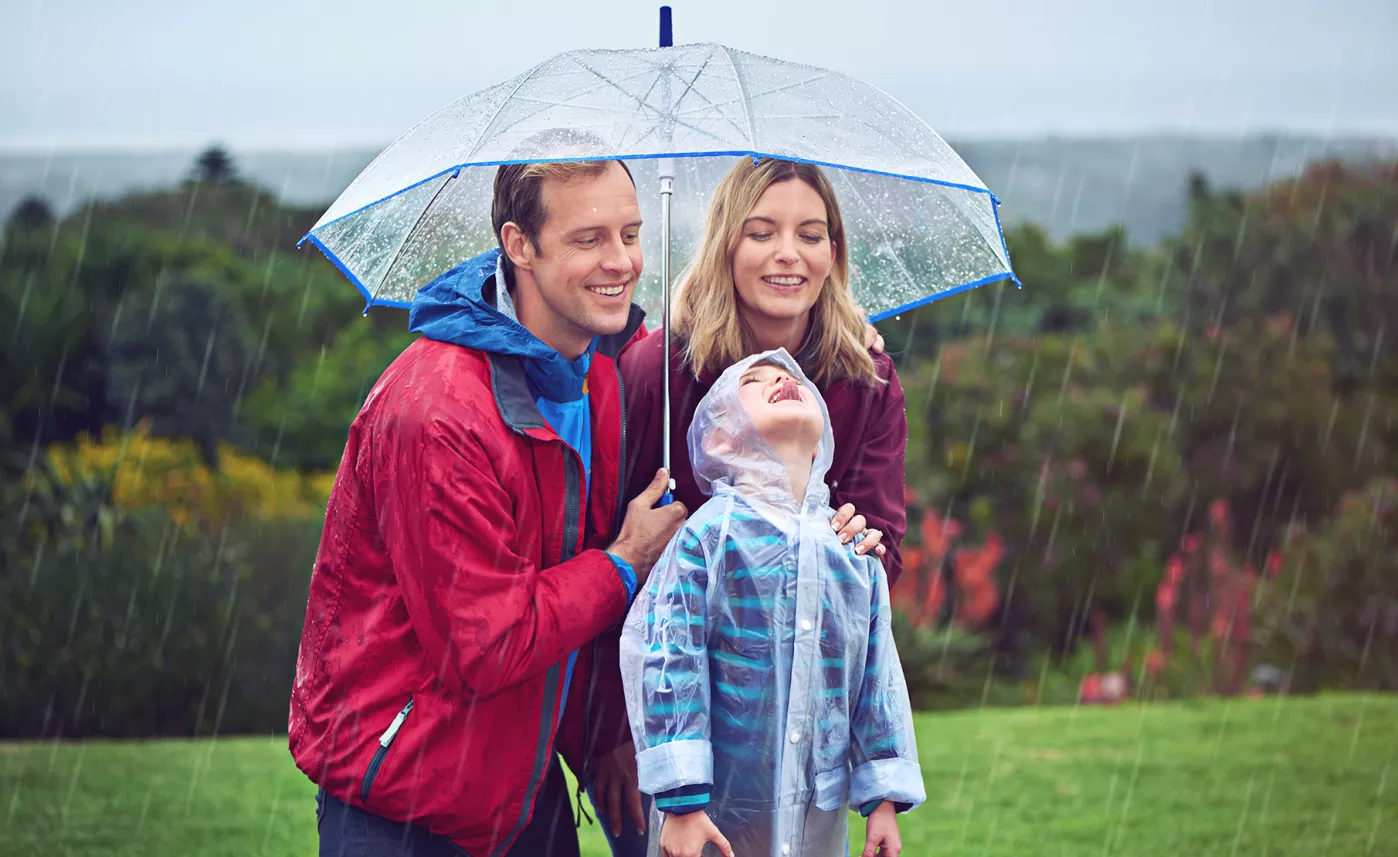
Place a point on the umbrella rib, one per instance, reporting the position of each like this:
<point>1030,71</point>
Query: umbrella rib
<point>711,106</point>
<point>883,232</point>
<point>742,96</point>
<point>745,98</point>
<point>407,239</point>
<point>646,105</point>
<point>496,115</point>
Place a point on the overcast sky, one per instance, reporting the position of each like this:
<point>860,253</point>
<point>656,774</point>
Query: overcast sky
<point>299,74</point>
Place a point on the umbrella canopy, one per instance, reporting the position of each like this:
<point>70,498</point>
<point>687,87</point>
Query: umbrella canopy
<point>919,223</point>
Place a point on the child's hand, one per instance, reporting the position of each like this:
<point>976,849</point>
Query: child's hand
<point>881,834</point>
<point>685,835</point>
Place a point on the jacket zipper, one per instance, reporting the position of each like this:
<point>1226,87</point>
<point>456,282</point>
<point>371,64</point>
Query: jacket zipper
<point>621,461</point>
<point>616,528</point>
<point>385,741</point>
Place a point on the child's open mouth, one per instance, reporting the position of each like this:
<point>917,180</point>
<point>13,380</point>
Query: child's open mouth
<point>788,391</point>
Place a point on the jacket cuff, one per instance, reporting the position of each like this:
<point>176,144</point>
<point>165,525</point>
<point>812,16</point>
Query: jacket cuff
<point>897,780</point>
<point>627,575</point>
<point>674,764</point>
<point>683,800</point>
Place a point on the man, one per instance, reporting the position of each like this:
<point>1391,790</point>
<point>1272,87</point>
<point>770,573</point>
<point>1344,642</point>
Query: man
<point>468,559</point>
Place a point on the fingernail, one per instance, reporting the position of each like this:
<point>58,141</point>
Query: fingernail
<point>859,549</point>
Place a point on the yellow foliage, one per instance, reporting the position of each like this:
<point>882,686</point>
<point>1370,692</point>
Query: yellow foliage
<point>149,471</point>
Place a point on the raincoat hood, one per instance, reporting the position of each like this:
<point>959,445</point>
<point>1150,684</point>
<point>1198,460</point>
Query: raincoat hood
<point>469,306</point>
<point>726,449</point>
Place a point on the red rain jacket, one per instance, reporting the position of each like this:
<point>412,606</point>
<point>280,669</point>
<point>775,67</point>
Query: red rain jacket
<point>459,567</point>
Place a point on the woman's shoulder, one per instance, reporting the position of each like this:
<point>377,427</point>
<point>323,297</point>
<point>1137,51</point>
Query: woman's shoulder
<point>858,389</point>
<point>641,361</point>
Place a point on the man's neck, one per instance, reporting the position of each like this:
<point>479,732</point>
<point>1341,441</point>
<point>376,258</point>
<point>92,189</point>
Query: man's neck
<point>551,329</point>
<point>771,334</point>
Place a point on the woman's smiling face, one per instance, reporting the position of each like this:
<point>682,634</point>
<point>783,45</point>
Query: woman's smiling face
<point>784,253</point>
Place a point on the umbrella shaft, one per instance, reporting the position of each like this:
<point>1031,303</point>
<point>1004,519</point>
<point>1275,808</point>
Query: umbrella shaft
<point>667,189</point>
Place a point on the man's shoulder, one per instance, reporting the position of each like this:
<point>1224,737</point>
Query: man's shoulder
<point>435,383</point>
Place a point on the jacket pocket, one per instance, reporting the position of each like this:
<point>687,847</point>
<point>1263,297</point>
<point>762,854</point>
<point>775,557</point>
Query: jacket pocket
<point>832,789</point>
<point>385,741</point>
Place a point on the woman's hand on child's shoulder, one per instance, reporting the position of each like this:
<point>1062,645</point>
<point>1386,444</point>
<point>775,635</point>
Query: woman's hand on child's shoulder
<point>850,525</point>
<point>685,835</point>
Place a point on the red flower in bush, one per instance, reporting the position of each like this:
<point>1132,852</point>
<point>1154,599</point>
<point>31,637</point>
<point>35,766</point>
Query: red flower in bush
<point>1174,570</point>
<point>1165,598</point>
<point>1218,512</point>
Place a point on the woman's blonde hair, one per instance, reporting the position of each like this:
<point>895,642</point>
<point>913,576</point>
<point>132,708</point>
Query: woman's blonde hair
<point>705,314</point>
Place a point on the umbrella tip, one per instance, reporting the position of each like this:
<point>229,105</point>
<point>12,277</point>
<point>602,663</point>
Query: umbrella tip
<point>667,34</point>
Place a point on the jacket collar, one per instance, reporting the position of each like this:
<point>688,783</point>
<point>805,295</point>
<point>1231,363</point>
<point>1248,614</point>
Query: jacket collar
<point>507,379</point>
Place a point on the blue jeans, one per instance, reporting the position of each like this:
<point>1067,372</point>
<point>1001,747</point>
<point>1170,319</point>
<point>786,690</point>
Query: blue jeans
<point>629,843</point>
<point>347,831</point>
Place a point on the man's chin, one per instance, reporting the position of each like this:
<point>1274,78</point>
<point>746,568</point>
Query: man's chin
<point>607,324</point>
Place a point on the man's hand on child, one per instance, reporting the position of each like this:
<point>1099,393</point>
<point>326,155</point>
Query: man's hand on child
<point>881,837</point>
<point>851,526</point>
<point>685,835</point>
<point>646,531</point>
<point>614,783</point>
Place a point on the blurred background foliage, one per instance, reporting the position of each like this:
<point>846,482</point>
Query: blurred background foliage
<point>179,382</point>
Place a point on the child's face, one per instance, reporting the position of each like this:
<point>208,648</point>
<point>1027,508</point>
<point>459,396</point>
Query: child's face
<point>781,407</point>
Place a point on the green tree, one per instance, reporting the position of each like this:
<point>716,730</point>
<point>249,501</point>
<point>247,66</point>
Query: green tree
<point>214,166</point>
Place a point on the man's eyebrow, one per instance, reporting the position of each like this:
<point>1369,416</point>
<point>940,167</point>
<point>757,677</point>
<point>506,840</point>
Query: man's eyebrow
<point>635,224</point>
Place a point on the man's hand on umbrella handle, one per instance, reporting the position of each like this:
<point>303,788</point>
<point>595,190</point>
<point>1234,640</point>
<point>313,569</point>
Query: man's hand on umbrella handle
<point>646,530</point>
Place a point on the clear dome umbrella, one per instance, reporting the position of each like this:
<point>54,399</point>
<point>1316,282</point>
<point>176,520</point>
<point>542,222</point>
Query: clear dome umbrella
<point>919,224</point>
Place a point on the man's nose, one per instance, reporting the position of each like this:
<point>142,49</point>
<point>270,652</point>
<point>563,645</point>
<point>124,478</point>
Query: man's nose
<point>618,257</point>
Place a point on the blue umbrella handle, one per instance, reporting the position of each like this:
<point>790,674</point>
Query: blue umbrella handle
<point>665,499</point>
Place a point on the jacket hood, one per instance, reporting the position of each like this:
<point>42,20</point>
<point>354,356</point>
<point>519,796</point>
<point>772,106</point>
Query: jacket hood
<point>726,449</point>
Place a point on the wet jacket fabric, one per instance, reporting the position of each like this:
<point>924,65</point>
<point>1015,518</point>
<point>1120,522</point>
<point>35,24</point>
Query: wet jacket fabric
<point>459,570</point>
<point>758,660</point>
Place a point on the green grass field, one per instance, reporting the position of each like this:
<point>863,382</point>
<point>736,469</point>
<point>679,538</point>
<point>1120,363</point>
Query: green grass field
<point>1267,777</point>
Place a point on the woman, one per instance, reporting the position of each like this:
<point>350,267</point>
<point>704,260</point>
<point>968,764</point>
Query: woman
<point>772,271</point>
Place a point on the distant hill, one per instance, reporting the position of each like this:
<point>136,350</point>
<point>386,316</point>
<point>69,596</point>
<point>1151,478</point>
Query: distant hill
<point>1066,185</point>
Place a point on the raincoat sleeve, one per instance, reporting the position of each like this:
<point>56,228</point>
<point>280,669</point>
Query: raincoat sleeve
<point>883,748</point>
<point>665,664</point>
<point>487,618</point>
<point>875,481</point>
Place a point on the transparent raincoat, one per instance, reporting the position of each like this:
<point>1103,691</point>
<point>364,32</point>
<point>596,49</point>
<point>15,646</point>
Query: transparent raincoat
<point>759,659</point>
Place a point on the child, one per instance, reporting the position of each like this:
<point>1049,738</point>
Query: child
<point>762,683</point>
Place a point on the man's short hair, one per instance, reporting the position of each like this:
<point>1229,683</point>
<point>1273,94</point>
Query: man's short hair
<point>518,196</point>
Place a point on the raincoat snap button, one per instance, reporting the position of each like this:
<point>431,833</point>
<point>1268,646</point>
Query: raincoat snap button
<point>795,737</point>
<point>786,848</point>
<point>806,625</point>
